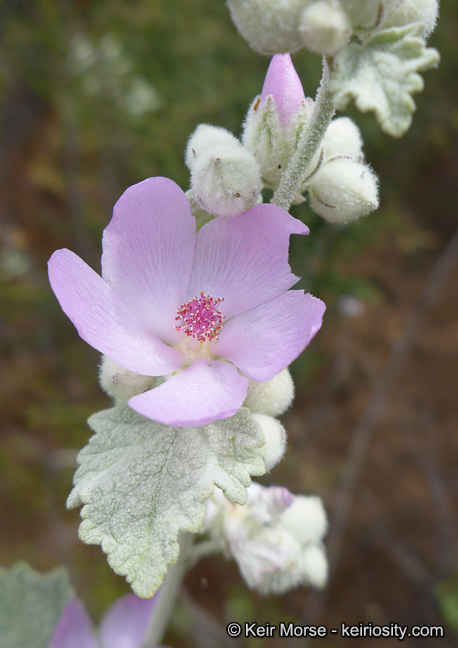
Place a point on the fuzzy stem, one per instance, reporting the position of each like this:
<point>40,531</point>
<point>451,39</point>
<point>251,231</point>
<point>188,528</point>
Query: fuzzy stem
<point>294,175</point>
<point>203,549</point>
<point>167,595</point>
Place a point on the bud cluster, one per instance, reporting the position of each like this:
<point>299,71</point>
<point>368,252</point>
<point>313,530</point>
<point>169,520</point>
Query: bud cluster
<point>276,538</point>
<point>341,187</point>
<point>323,26</point>
<point>227,175</point>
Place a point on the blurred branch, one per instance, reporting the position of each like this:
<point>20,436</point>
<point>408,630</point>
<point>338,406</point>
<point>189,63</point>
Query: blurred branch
<point>345,492</point>
<point>402,555</point>
<point>205,631</point>
<point>343,501</point>
<point>428,462</point>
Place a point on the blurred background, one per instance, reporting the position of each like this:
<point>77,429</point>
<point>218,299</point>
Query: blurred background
<point>99,94</point>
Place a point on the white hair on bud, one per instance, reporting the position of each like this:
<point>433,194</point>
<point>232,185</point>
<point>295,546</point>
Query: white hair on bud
<point>343,191</point>
<point>204,137</point>
<point>269,26</point>
<point>225,176</point>
<point>120,383</point>
<point>342,138</point>
<point>306,518</point>
<point>409,11</point>
<point>274,439</point>
<point>367,15</point>
<point>325,28</point>
<point>313,566</point>
<point>272,397</point>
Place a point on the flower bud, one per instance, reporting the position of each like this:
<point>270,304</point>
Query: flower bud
<point>274,439</point>
<point>120,383</point>
<point>342,139</point>
<point>271,546</point>
<point>367,14</point>
<point>284,84</point>
<point>325,28</point>
<point>313,566</point>
<point>269,26</point>
<point>306,518</point>
<point>225,177</point>
<point>409,11</point>
<point>276,119</point>
<point>343,191</point>
<point>272,397</point>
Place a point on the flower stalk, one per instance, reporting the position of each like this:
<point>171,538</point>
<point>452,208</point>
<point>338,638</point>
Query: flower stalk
<point>170,588</point>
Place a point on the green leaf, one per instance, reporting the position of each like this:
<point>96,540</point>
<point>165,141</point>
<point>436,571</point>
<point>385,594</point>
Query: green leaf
<point>381,75</point>
<point>31,605</point>
<point>142,483</point>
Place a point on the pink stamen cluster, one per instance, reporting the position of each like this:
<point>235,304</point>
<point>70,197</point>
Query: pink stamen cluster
<point>201,318</point>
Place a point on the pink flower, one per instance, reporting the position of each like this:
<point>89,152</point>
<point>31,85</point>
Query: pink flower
<point>206,311</point>
<point>283,83</point>
<point>124,625</point>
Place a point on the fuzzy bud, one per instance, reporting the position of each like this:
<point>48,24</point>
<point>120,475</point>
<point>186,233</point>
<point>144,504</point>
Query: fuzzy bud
<point>366,14</point>
<point>269,26</point>
<point>120,383</point>
<point>325,27</point>
<point>274,439</point>
<point>276,119</point>
<point>306,518</point>
<point>343,191</point>
<point>284,84</point>
<point>409,11</point>
<point>272,397</point>
<point>313,566</point>
<point>342,139</point>
<point>225,177</point>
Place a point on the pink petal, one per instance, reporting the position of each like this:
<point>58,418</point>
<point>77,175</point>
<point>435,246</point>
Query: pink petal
<point>266,339</point>
<point>104,321</point>
<point>125,623</point>
<point>244,259</point>
<point>284,84</point>
<point>148,249</point>
<point>74,629</point>
<point>204,392</point>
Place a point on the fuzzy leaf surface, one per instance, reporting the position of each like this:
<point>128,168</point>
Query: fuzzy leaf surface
<point>381,75</point>
<point>31,605</point>
<point>142,483</point>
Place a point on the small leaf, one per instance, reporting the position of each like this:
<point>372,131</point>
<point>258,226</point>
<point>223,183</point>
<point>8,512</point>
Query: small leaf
<point>142,483</point>
<point>31,605</point>
<point>381,75</point>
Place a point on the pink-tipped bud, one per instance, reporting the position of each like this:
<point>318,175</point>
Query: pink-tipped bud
<point>283,83</point>
<point>276,120</point>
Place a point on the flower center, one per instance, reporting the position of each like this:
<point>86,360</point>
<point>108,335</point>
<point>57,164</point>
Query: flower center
<point>200,318</point>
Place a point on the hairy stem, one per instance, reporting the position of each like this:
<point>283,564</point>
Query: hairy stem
<point>203,549</point>
<point>167,595</point>
<point>294,175</point>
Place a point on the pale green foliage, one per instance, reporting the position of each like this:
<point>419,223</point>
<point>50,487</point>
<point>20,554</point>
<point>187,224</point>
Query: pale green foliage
<point>31,605</point>
<point>142,483</point>
<point>382,73</point>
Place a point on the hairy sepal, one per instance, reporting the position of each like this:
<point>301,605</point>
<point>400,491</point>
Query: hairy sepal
<point>142,483</point>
